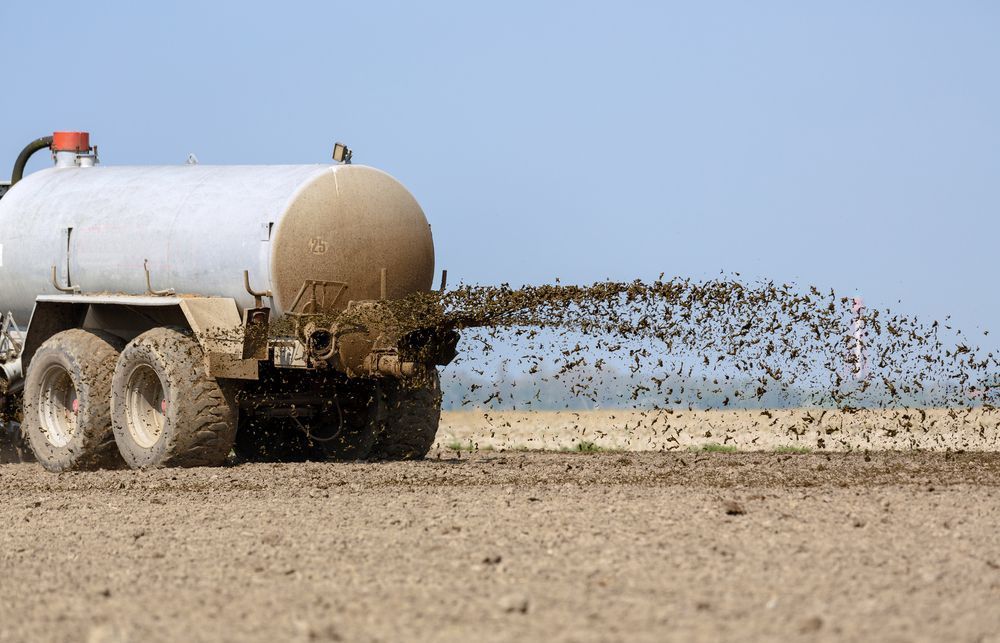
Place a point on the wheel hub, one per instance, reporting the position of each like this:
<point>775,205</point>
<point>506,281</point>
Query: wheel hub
<point>145,406</point>
<point>58,406</point>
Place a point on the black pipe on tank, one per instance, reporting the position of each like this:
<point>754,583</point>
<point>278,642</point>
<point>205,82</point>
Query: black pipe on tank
<point>22,158</point>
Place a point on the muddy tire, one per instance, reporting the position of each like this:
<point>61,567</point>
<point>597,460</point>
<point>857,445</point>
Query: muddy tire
<point>410,419</point>
<point>67,393</point>
<point>166,410</point>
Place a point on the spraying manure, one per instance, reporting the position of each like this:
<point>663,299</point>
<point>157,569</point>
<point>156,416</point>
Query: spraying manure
<point>680,346</point>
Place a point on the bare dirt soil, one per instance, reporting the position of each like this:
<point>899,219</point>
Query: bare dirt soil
<point>940,429</point>
<point>510,546</point>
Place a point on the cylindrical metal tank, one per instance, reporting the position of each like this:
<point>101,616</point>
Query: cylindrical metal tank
<point>200,226</point>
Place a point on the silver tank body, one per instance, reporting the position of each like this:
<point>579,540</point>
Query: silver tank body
<point>198,227</point>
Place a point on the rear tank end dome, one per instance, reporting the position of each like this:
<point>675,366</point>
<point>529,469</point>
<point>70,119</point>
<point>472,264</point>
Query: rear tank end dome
<point>344,227</point>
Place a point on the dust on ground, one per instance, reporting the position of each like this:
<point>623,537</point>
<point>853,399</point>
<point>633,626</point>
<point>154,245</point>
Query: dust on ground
<point>739,429</point>
<point>510,546</point>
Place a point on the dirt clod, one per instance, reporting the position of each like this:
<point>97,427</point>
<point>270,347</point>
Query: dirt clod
<point>515,603</point>
<point>733,508</point>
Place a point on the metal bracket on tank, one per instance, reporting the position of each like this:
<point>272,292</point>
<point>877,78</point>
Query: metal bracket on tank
<point>318,301</point>
<point>149,284</point>
<point>257,294</point>
<point>67,288</point>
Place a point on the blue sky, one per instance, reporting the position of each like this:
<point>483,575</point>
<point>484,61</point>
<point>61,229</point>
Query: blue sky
<point>853,145</point>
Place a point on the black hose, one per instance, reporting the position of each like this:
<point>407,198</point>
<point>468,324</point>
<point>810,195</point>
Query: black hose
<point>22,158</point>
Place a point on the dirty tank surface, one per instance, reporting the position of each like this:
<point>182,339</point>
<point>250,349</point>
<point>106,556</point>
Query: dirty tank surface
<point>510,546</point>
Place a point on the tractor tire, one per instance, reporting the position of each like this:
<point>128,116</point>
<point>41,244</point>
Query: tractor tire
<point>412,412</point>
<point>166,410</point>
<point>67,393</point>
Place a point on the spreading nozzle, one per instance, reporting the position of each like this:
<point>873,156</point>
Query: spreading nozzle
<point>370,341</point>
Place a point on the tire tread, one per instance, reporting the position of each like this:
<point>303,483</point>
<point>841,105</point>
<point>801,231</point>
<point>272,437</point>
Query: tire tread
<point>96,352</point>
<point>204,418</point>
<point>410,421</point>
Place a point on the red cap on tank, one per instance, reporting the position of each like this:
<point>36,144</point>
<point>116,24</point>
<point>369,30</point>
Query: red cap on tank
<point>71,141</point>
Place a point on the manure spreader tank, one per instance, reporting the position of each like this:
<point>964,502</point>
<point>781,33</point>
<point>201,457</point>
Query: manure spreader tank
<point>176,315</point>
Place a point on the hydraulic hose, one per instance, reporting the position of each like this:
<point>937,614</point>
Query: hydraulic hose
<point>22,158</point>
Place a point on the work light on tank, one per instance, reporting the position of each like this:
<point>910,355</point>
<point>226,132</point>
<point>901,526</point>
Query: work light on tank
<point>341,153</point>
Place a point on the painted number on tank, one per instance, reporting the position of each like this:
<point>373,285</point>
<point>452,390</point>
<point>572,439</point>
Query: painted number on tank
<point>318,246</point>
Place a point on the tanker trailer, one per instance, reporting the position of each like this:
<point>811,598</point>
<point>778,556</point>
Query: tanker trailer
<point>168,315</point>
